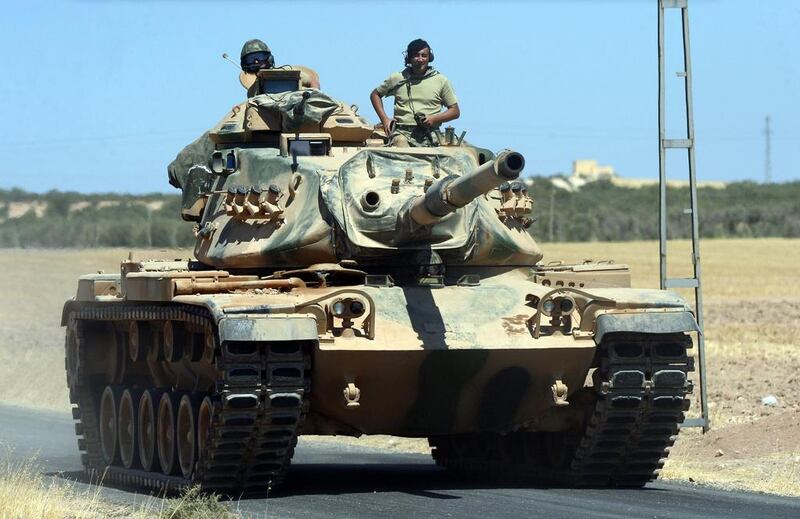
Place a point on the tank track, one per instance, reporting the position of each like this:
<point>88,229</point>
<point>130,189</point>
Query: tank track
<point>641,386</point>
<point>259,405</point>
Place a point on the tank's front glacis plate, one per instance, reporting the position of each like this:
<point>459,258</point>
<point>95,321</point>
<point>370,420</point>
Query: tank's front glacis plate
<point>449,360</point>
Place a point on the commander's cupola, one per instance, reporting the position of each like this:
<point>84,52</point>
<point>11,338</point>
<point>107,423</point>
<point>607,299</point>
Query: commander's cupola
<point>281,111</point>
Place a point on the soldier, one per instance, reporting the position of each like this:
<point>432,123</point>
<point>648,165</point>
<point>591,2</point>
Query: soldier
<point>419,93</point>
<point>257,56</point>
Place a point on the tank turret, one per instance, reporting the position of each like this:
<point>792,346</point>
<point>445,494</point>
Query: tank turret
<point>295,177</point>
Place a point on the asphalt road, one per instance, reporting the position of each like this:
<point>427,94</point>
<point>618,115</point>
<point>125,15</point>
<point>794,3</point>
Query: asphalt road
<point>332,480</point>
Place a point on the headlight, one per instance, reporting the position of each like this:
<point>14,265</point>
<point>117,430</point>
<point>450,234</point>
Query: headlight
<point>230,162</point>
<point>548,306</point>
<point>338,308</point>
<point>217,163</point>
<point>356,308</point>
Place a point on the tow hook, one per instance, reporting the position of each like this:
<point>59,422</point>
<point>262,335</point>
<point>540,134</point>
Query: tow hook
<point>352,395</point>
<point>559,394</point>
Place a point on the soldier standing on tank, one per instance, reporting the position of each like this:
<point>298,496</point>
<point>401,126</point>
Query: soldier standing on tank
<point>256,56</point>
<point>419,93</point>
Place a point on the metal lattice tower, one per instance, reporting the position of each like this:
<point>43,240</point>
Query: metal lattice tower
<point>686,145</point>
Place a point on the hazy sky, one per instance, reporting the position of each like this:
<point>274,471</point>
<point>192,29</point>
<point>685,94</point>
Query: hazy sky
<point>100,96</point>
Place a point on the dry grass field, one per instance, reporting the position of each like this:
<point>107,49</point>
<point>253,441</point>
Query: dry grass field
<point>752,323</point>
<point>27,493</point>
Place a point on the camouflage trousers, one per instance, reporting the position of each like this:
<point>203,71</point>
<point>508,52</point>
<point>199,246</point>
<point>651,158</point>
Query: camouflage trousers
<point>414,137</point>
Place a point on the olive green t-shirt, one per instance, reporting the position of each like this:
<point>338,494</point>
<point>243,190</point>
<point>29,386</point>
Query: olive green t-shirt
<point>428,94</point>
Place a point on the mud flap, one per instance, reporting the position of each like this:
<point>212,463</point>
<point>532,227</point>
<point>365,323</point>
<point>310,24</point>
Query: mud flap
<point>284,328</point>
<point>645,322</point>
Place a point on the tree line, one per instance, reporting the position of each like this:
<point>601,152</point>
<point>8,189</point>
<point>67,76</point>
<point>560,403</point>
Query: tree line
<point>603,211</point>
<point>600,211</point>
<point>108,220</point>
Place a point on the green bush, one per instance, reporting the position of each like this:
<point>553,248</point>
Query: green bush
<point>193,504</point>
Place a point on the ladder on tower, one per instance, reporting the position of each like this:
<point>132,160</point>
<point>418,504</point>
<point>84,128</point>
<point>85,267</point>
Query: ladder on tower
<point>681,144</point>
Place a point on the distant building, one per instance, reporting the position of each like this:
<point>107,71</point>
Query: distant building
<point>585,171</point>
<point>590,171</point>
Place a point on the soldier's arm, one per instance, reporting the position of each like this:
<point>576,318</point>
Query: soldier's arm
<point>313,79</point>
<point>377,104</point>
<point>449,100</point>
<point>308,76</point>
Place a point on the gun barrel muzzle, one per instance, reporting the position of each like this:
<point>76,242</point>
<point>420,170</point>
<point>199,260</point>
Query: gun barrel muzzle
<point>504,168</point>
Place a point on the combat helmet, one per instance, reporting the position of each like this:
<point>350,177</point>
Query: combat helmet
<point>254,54</point>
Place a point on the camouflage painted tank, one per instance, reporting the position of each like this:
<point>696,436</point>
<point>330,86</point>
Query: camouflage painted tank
<point>342,287</point>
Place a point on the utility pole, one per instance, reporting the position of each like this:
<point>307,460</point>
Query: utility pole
<point>552,209</point>
<point>149,228</point>
<point>767,152</point>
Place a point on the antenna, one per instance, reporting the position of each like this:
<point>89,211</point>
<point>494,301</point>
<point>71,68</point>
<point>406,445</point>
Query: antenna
<point>767,152</point>
<point>229,60</point>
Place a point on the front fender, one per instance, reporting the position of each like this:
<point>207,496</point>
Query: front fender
<point>268,328</point>
<point>645,322</point>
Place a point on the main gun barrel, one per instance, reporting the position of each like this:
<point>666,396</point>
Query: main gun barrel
<point>449,194</point>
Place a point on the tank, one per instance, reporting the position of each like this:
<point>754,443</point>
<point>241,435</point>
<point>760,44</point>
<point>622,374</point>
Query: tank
<point>340,286</point>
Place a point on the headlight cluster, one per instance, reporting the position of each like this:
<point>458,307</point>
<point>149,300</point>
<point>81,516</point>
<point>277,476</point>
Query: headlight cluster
<point>223,164</point>
<point>347,308</point>
<point>558,305</point>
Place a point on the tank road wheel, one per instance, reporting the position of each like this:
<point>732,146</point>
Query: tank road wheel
<point>166,438</point>
<point>173,341</point>
<point>140,339</point>
<point>146,430</point>
<point>127,427</point>
<point>209,345</point>
<point>72,361</point>
<point>116,362</point>
<point>187,434</point>
<point>204,415</point>
<point>109,405</point>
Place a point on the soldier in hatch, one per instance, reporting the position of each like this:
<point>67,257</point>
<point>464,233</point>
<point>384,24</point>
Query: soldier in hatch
<point>419,93</point>
<point>257,56</point>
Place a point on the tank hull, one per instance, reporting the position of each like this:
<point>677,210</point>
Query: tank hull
<point>233,374</point>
